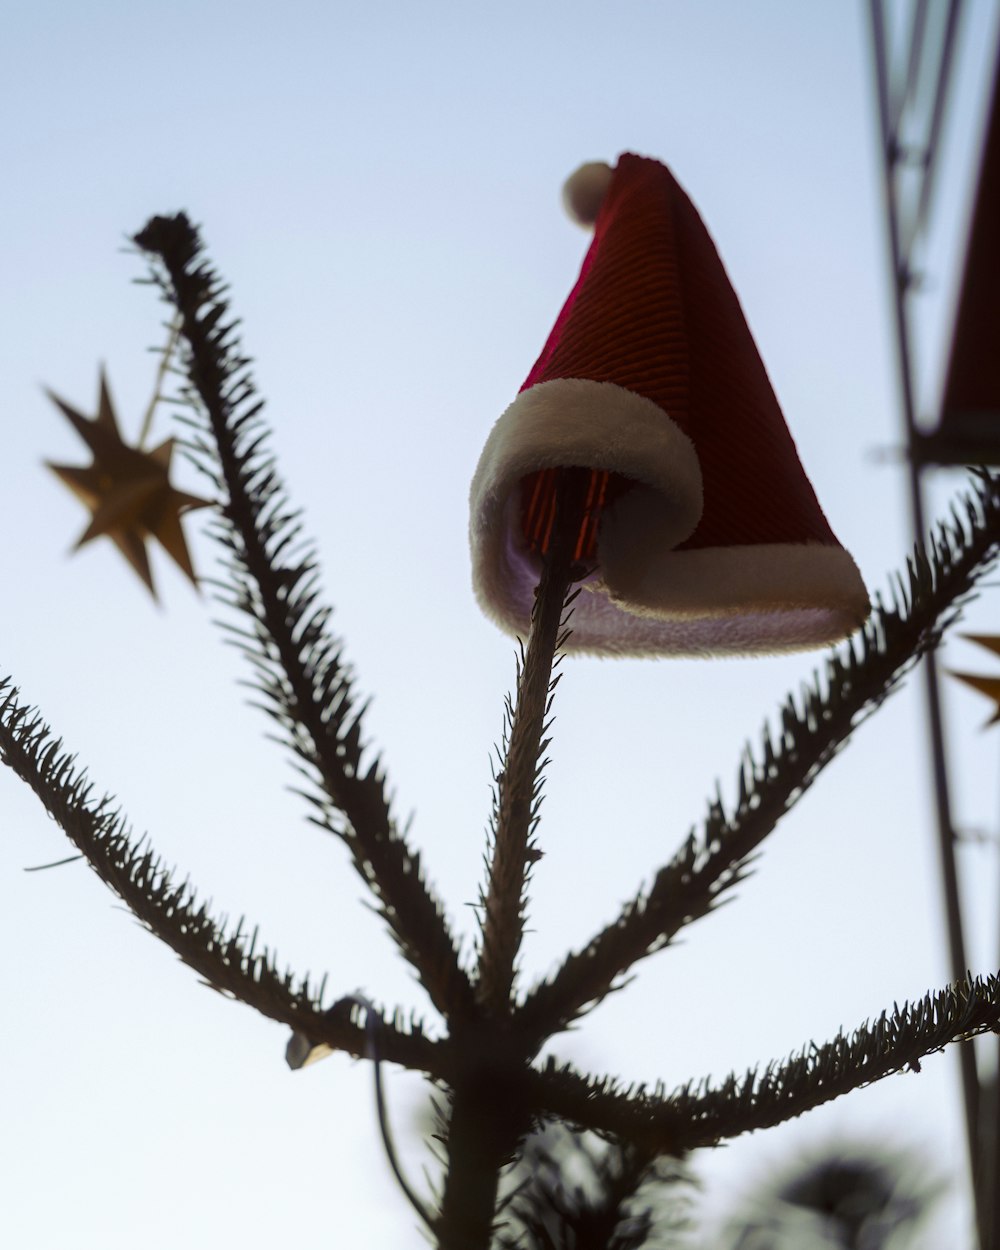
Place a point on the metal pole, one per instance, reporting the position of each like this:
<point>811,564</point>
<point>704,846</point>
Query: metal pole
<point>945,832</point>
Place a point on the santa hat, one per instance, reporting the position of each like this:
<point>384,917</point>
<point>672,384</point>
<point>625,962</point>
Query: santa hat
<point>704,532</point>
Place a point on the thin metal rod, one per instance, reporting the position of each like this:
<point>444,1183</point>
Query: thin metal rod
<point>913,62</point>
<point>937,114</point>
<point>945,830</point>
<point>991,1170</point>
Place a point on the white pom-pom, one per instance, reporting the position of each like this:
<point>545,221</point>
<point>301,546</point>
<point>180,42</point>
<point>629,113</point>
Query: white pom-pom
<point>583,192</point>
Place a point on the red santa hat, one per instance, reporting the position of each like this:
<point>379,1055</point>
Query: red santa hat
<point>703,530</point>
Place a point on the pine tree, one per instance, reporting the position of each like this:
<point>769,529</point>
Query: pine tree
<point>505,1175</point>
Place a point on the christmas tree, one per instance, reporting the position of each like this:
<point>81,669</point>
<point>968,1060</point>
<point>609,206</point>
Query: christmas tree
<point>481,1053</point>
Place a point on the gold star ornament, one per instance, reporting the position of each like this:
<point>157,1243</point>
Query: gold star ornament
<point>127,490</point>
<point>988,686</point>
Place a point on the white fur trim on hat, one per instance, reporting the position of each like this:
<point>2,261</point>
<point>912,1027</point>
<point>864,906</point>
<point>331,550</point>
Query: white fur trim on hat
<point>645,598</point>
<point>583,192</point>
<point>763,625</point>
<point>574,422</point>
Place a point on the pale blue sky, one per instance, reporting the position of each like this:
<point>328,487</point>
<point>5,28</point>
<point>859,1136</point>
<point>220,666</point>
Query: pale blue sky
<point>380,184</point>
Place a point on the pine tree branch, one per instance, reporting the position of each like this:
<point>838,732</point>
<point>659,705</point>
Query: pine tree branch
<point>487,1115</point>
<point>229,960</point>
<point>299,668</point>
<point>706,1114</point>
<point>572,1190</point>
<point>518,785</point>
<point>814,726</point>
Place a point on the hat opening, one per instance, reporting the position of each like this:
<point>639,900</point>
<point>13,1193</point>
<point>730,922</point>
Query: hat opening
<point>601,491</point>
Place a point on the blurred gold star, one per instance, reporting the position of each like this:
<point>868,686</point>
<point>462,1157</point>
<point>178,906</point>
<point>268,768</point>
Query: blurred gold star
<point>990,641</point>
<point>989,686</point>
<point>127,490</point>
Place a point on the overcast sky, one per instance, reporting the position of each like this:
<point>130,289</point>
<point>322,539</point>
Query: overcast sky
<point>380,184</point>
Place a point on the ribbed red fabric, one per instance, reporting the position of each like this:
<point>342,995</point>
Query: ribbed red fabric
<point>653,311</point>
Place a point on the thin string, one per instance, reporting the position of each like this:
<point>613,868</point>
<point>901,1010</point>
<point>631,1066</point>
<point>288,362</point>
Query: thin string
<point>161,373</point>
<point>373,1021</point>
